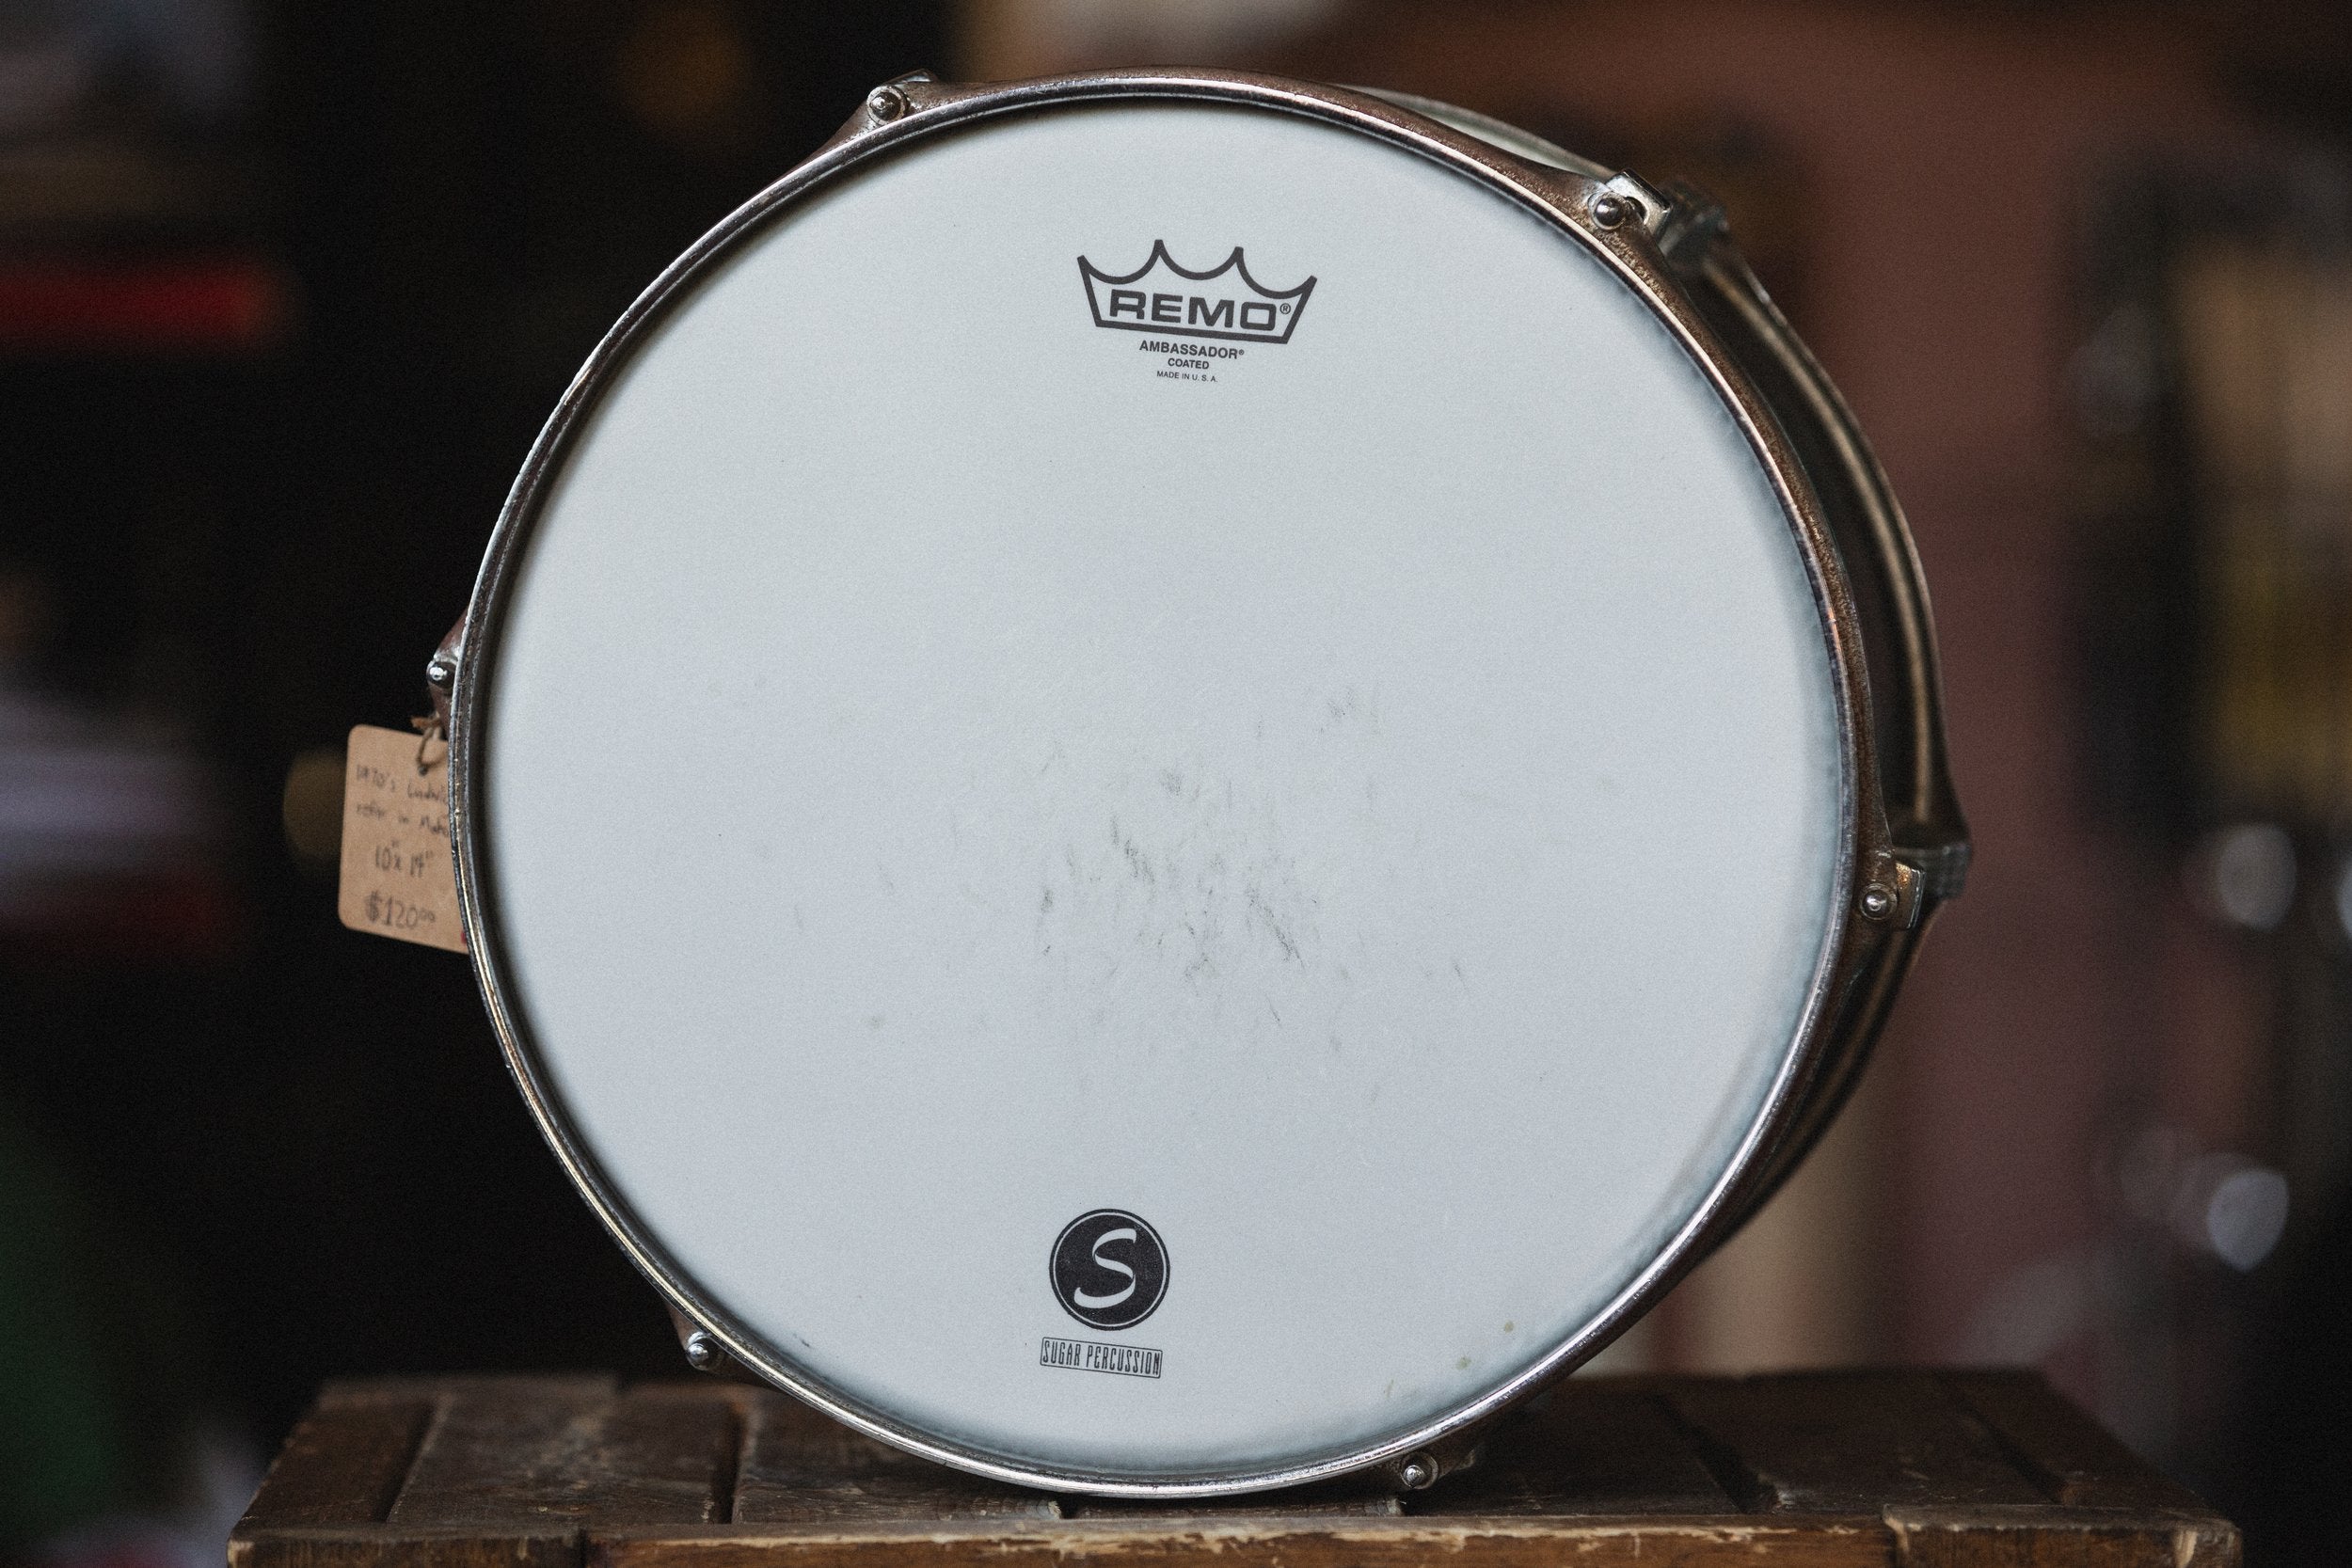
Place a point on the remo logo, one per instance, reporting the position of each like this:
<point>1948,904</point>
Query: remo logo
<point>1109,1269</point>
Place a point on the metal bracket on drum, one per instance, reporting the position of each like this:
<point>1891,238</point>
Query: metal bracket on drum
<point>1894,894</point>
<point>1623,200</point>
<point>1425,1468</point>
<point>705,1353</point>
<point>886,106</point>
<point>890,101</point>
<point>440,672</point>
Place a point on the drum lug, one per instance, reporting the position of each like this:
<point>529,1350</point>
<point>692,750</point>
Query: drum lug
<point>1943,868</point>
<point>1693,221</point>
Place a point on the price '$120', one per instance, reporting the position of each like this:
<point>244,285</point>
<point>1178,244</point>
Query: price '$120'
<point>398,879</point>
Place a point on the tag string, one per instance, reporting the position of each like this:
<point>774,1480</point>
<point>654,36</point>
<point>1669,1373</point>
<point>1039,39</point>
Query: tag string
<point>428,730</point>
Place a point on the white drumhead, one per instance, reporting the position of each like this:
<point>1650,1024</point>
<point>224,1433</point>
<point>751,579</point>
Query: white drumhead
<point>1368,809</point>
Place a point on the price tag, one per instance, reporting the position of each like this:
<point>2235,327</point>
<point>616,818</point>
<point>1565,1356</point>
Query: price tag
<point>398,879</point>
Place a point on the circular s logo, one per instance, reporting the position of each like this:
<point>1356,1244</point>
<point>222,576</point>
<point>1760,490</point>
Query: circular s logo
<point>1109,1269</point>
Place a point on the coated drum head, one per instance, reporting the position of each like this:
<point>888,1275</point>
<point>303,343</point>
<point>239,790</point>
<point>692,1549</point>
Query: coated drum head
<point>1157,791</point>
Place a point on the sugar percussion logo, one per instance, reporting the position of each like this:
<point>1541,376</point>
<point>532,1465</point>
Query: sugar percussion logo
<point>1223,302</point>
<point>1109,1269</point>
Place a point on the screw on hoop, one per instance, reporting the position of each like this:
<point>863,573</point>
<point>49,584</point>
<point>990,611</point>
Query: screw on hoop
<point>440,676</point>
<point>1610,211</point>
<point>886,103</point>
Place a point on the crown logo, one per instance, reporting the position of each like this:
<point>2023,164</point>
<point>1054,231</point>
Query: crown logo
<point>1223,302</point>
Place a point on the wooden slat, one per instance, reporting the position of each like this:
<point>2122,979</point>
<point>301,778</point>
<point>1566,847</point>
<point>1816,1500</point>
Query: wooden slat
<point>327,1512</point>
<point>2039,1536</point>
<point>667,1451</point>
<point>1848,1442</point>
<point>801,1467</point>
<point>405,1546</point>
<point>495,1452</point>
<point>343,1466</point>
<point>349,1393</point>
<point>2076,1461</point>
<point>1406,1543</point>
<point>1596,1446</point>
<point>1349,1498</point>
<point>523,1451</point>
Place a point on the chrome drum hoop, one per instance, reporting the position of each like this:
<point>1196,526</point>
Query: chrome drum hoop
<point>1891,868</point>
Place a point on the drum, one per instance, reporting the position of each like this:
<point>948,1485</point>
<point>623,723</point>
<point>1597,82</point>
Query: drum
<point>1165,782</point>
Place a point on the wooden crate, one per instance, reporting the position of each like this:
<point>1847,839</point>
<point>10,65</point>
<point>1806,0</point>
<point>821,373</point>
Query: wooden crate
<point>1880,1468</point>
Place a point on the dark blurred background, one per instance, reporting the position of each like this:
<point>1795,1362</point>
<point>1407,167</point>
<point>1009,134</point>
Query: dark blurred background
<point>286,289</point>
